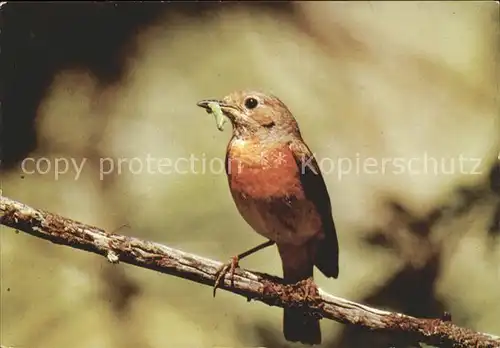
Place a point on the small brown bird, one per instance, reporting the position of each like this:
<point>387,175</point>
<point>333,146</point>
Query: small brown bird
<point>278,189</point>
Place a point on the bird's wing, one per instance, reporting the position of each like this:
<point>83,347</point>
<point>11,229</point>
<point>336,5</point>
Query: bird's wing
<point>315,190</point>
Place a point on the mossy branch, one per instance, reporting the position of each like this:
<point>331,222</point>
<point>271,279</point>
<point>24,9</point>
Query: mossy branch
<point>252,285</point>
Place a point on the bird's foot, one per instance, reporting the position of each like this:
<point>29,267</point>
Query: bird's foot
<point>310,290</point>
<point>310,294</point>
<point>224,269</point>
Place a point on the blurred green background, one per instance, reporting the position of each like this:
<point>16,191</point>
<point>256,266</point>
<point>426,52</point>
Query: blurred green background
<point>363,79</point>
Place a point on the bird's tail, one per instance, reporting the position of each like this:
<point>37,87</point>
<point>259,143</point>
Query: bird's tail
<point>299,327</point>
<point>298,265</point>
<point>327,254</point>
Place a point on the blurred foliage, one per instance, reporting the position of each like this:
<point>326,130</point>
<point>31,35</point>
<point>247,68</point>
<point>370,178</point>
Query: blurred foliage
<point>364,80</point>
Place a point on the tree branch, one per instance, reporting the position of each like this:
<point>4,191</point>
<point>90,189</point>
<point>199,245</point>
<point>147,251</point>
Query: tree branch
<point>252,285</point>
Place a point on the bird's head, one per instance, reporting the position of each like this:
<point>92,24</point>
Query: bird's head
<point>256,114</point>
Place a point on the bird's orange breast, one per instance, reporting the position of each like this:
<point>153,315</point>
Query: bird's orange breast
<point>265,184</point>
<point>263,171</point>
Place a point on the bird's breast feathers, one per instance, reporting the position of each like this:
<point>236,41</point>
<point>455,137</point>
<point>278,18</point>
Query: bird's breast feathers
<point>263,171</point>
<point>266,187</point>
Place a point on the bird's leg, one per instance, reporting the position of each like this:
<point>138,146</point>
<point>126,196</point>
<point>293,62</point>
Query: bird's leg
<point>234,263</point>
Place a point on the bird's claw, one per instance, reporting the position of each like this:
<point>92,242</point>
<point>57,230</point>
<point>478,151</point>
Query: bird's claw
<point>310,289</point>
<point>224,269</point>
<point>310,293</point>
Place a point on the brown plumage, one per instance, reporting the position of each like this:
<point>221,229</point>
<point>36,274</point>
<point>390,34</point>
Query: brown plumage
<point>278,189</point>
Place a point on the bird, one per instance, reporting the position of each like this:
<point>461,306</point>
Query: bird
<point>278,189</point>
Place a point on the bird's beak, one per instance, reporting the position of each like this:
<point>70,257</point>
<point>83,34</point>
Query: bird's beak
<point>226,108</point>
<point>204,104</point>
<point>219,109</point>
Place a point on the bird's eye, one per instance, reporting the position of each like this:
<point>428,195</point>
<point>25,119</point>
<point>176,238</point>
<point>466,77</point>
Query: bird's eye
<point>251,103</point>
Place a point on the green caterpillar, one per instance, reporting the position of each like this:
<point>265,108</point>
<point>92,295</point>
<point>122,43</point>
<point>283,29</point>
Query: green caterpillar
<point>220,119</point>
